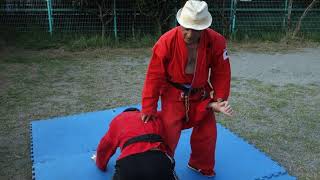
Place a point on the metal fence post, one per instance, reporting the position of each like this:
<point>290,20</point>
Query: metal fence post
<point>233,16</point>
<point>285,14</point>
<point>115,20</point>
<point>50,20</point>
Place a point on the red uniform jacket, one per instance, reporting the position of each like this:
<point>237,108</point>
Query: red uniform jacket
<point>169,60</point>
<point>123,127</point>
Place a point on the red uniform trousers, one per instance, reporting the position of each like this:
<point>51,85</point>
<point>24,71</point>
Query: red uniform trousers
<point>204,133</point>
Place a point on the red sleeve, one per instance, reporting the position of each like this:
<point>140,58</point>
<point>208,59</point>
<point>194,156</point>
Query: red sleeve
<point>107,147</point>
<point>220,70</point>
<point>155,79</point>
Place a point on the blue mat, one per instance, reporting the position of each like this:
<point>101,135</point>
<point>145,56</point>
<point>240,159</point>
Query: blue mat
<point>61,149</point>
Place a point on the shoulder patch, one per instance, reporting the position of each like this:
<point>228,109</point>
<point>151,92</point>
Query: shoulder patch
<point>225,54</point>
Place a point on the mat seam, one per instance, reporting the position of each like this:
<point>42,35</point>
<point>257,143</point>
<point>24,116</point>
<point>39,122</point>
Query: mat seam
<point>273,175</point>
<point>262,152</point>
<point>31,153</point>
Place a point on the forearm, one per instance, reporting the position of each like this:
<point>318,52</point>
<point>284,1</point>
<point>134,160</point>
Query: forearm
<point>106,148</point>
<point>155,79</point>
<point>150,97</point>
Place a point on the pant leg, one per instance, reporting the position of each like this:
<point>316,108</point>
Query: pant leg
<point>150,165</point>
<point>173,113</point>
<point>116,176</point>
<point>203,144</point>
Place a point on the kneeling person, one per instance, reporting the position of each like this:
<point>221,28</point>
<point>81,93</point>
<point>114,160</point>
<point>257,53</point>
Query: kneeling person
<point>143,153</point>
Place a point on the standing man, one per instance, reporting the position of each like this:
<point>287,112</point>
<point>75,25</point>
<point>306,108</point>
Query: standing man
<point>190,71</point>
<point>143,153</point>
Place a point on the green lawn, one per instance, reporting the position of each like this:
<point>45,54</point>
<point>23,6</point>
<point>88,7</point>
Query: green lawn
<point>282,121</point>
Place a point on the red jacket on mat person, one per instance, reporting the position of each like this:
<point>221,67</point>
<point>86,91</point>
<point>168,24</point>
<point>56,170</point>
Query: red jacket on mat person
<point>168,63</point>
<point>122,128</point>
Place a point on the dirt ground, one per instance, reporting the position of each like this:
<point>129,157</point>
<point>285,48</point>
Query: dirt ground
<point>297,67</point>
<point>276,96</point>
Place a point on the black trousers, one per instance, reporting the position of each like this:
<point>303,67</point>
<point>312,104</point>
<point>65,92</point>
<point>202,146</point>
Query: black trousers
<point>150,165</point>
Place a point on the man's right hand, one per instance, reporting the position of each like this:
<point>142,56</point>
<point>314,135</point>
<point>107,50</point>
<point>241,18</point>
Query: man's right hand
<point>146,117</point>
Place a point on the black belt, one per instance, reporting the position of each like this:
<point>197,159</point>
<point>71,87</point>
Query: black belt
<point>185,89</point>
<point>143,138</point>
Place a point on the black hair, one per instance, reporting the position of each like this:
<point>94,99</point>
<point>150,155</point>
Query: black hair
<point>131,109</point>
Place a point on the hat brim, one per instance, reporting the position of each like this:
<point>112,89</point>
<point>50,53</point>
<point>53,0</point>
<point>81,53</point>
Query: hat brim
<point>206,22</point>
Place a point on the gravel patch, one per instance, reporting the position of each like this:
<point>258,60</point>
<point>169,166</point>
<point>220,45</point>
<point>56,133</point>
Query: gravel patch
<point>302,67</point>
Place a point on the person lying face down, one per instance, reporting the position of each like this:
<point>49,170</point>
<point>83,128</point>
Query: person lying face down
<point>143,153</point>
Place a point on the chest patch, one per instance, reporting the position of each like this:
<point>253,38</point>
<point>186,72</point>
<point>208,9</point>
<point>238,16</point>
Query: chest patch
<point>225,54</point>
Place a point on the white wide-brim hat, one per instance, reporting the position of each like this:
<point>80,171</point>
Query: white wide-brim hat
<point>194,15</point>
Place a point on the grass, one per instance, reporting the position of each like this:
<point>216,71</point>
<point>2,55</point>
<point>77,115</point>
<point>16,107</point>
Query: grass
<point>43,83</point>
<point>38,40</point>
<point>260,41</point>
<point>280,120</point>
<point>274,36</point>
<point>271,35</point>
<point>50,83</point>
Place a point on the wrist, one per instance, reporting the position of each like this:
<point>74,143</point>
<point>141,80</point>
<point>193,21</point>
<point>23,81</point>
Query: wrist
<point>219,100</point>
<point>214,106</point>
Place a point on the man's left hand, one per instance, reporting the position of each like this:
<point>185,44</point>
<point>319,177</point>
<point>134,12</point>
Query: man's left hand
<point>223,107</point>
<point>94,157</point>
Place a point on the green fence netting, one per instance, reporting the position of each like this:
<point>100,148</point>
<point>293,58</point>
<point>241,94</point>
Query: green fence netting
<point>130,18</point>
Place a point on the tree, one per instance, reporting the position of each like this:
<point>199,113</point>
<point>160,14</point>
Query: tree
<point>104,11</point>
<point>160,10</point>
<point>298,26</point>
<point>226,22</point>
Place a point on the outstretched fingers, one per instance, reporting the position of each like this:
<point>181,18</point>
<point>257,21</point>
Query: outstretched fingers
<point>226,108</point>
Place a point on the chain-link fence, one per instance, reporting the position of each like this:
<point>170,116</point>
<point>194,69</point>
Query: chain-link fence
<point>130,18</point>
